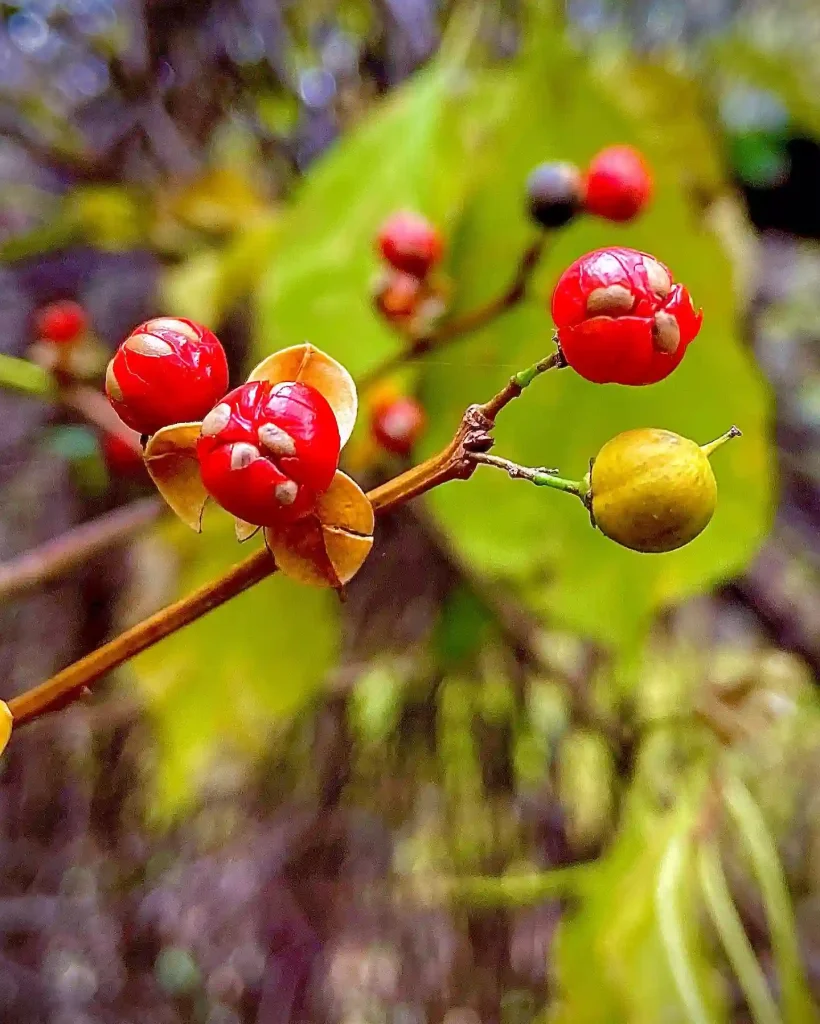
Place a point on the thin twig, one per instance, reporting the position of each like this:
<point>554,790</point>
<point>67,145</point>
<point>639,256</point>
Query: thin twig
<point>519,381</point>
<point>75,547</point>
<point>453,463</point>
<point>473,320</point>
<point>95,409</point>
<point>541,477</point>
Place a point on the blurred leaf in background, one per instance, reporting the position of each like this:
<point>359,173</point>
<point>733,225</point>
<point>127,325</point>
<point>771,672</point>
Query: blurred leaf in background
<point>637,935</point>
<point>224,681</point>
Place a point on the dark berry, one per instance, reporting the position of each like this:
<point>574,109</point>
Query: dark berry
<point>554,194</point>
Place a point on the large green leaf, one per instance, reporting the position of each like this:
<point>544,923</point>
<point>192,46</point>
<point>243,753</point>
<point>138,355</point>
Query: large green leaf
<point>221,683</point>
<point>408,154</point>
<point>554,107</point>
<point>495,126</point>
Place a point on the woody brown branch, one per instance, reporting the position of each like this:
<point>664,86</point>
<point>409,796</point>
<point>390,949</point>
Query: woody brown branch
<point>453,463</point>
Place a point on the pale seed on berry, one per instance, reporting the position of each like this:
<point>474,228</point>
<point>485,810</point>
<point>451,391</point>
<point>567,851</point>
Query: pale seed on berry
<point>242,455</point>
<point>147,345</point>
<point>286,492</point>
<point>610,301</point>
<point>277,441</point>
<point>169,324</point>
<point>659,280</point>
<point>666,333</point>
<point>112,385</point>
<point>216,420</point>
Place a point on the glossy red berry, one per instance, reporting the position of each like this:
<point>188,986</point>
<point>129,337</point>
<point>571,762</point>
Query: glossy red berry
<point>409,242</point>
<point>61,322</point>
<point>166,371</point>
<point>554,194</point>
<point>122,458</point>
<point>618,184</point>
<point>267,450</point>
<point>397,425</point>
<point>620,319</point>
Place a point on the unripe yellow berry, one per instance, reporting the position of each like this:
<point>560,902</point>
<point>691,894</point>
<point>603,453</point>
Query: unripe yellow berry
<point>652,490</point>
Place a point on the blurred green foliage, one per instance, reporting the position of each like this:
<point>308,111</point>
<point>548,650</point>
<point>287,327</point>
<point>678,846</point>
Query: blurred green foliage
<point>223,682</point>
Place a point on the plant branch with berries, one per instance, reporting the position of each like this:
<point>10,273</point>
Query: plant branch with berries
<point>268,451</point>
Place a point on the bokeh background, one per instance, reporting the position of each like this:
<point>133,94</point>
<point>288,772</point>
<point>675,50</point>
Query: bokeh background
<point>521,774</point>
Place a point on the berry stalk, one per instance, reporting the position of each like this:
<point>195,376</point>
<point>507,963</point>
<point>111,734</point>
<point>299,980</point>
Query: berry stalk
<point>541,477</point>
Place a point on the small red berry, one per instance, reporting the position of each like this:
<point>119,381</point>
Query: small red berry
<point>398,296</point>
<point>618,184</point>
<point>122,458</point>
<point>61,322</point>
<point>267,450</point>
<point>410,243</point>
<point>166,371</point>
<point>620,319</point>
<point>397,425</point>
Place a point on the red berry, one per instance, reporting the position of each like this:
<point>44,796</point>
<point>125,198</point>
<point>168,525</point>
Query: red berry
<point>397,425</point>
<point>398,296</point>
<point>620,319</point>
<point>166,371</point>
<point>61,322</point>
<point>267,450</point>
<point>618,184</point>
<point>409,242</point>
<point>122,458</point>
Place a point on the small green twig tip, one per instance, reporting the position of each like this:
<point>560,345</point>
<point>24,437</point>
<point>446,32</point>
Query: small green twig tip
<point>712,446</point>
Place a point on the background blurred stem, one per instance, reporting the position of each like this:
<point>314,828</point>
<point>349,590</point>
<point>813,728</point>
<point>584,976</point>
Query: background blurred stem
<point>75,547</point>
<point>729,927</point>
<point>510,891</point>
<point>475,319</point>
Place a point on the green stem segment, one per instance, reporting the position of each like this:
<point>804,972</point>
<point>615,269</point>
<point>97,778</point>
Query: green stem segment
<point>524,890</point>
<point>525,377</point>
<point>712,446</point>
<point>26,377</point>
<point>541,477</point>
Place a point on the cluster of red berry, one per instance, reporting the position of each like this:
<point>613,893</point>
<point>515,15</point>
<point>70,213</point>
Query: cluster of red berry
<point>409,294</point>
<point>61,327</point>
<point>617,186</point>
<point>265,450</point>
